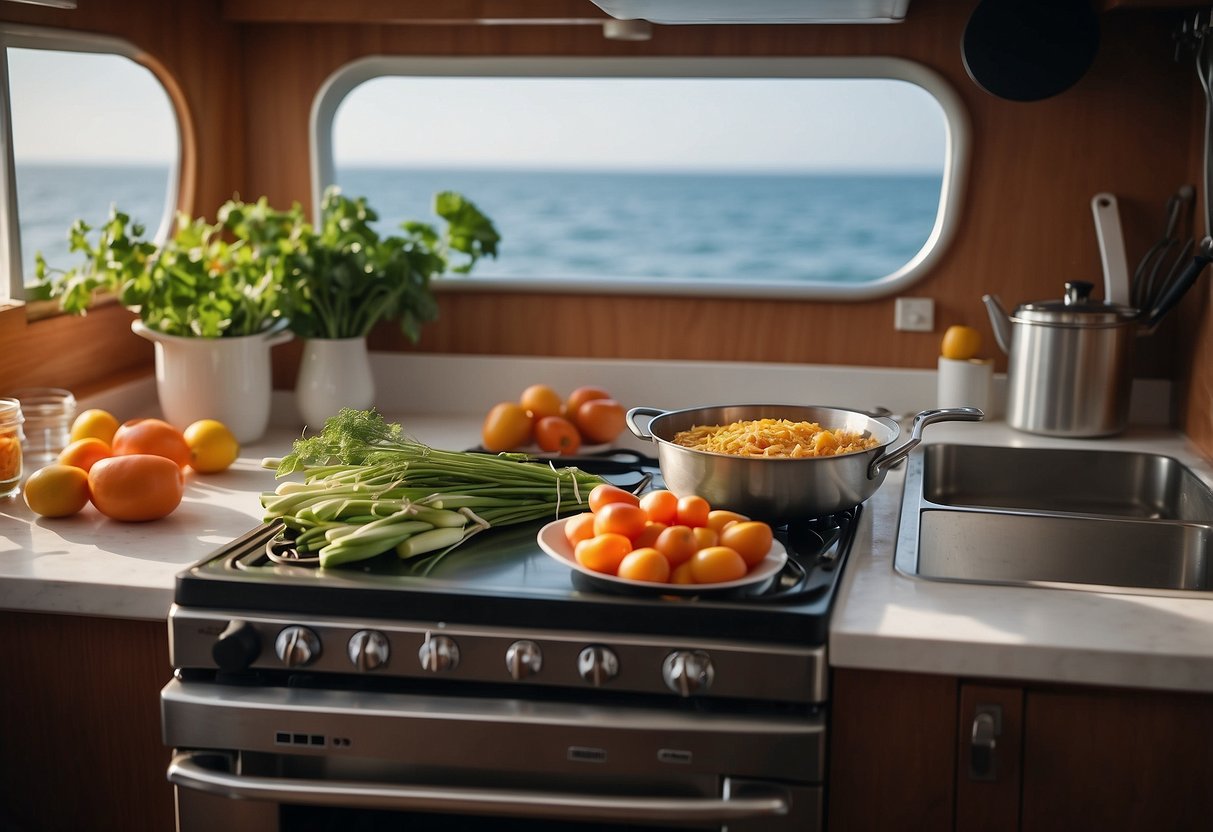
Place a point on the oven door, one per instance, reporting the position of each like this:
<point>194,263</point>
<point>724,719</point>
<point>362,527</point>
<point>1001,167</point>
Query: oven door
<point>266,758</point>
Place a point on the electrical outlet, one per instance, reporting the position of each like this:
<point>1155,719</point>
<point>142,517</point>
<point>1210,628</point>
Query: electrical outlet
<point>914,315</point>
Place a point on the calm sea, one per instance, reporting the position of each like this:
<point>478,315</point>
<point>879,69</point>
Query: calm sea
<point>841,228</point>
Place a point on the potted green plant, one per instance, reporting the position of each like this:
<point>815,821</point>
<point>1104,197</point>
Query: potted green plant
<point>209,298</point>
<point>343,278</point>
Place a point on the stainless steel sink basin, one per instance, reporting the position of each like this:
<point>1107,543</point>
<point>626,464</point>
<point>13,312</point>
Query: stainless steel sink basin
<point>1076,519</point>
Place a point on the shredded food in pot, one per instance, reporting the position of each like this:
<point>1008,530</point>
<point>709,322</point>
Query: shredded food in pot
<point>773,438</point>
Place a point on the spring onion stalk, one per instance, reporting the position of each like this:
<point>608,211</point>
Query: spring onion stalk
<point>368,489</point>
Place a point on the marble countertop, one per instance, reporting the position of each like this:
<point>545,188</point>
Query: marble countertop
<point>89,565</point>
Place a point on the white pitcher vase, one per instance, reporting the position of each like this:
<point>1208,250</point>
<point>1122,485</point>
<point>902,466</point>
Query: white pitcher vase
<point>215,378</point>
<point>334,373</point>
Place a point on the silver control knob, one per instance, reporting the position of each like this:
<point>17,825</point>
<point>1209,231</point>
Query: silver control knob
<point>438,653</point>
<point>687,672</point>
<point>297,646</point>
<point>598,665</point>
<point>523,658</point>
<point>368,650</point>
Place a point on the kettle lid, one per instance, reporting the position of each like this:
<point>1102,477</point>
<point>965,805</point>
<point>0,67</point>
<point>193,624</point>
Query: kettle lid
<point>1076,309</point>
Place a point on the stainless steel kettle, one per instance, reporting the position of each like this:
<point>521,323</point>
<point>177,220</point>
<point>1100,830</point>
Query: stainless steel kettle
<point>1070,370</point>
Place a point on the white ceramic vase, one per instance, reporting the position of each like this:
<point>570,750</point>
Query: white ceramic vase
<point>215,378</point>
<point>334,373</point>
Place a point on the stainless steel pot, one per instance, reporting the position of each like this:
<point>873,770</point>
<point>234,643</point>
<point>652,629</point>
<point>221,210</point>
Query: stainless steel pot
<point>781,489</point>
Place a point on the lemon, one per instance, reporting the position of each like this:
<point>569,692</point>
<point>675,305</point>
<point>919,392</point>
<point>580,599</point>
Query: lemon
<point>212,446</point>
<point>57,490</point>
<point>95,424</point>
<point>960,343</point>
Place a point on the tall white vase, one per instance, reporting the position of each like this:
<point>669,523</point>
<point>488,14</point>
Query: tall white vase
<point>215,378</point>
<point>335,373</point>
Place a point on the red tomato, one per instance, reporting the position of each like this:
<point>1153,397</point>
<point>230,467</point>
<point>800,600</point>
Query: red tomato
<point>554,433</point>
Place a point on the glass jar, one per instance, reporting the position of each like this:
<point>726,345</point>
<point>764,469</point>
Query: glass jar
<point>48,413</point>
<point>10,446</point>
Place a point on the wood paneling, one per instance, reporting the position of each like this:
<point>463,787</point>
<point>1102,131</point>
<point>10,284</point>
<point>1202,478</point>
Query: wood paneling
<point>80,724</point>
<point>892,741</point>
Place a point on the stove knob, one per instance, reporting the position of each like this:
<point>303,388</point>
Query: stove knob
<point>598,665</point>
<point>687,672</point>
<point>523,658</point>
<point>368,650</point>
<point>297,646</point>
<point>438,653</point>
<point>237,647</point>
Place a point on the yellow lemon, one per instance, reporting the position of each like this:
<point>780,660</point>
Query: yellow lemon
<point>57,490</point>
<point>95,424</point>
<point>212,446</point>
<point>960,343</point>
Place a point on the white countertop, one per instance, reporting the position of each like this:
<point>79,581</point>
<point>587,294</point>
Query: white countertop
<point>90,565</point>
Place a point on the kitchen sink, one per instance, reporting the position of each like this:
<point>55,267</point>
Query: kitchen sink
<point>1076,519</point>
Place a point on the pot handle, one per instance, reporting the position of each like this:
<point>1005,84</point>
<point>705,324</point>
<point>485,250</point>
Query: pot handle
<point>946,414</point>
<point>637,430</point>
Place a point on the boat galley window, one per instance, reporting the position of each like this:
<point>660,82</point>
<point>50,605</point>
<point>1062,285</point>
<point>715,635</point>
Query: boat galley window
<point>90,128</point>
<point>829,178</point>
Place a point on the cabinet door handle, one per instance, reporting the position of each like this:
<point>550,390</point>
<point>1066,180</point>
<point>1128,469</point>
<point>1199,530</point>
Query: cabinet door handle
<point>987,726</point>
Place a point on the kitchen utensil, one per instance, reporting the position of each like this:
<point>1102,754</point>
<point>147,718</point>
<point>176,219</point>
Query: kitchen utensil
<point>1070,370</point>
<point>1177,287</point>
<point>782,489</point>
<point>1026,50</point>
<point>551,540</point>
<point>1111,239</point>
<point>1164,260</point>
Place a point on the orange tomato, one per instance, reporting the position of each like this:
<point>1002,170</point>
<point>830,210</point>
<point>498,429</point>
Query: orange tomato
<point>151,436</point>
<point>677,543</point>
<point>704,537</point>
<point>95,422</point>
<point>606,494</point>
<point>693,511</point>
<point>751,539</point>
<point>56,490</point>
<point>682,574</point>
<point>716,564</point>
<point>136,487</point>
<point>84,453</point>
<point>541,400</point>
<point>646,564</point>
<point>648,537</point>
<point>600,420</point>
<point>579,527</point>
<point>557,434</point>
<point>580,396</point>
<point>603,552</point>
<point>719,518</point>
<point>661,506</point>
<point>620,518</point>
<point>506,426</point>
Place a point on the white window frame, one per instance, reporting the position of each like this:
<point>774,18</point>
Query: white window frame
<point>35,37</point>
<point>345,79</point>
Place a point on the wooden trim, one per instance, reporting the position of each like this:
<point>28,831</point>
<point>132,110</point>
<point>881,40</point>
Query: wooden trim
<point>417,12</point>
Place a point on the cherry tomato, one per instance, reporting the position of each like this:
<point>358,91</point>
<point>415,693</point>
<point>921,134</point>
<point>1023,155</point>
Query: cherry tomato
<point>693,511</point>
<point>541,400</point>
<point>751,539</point>
<point>603,552</point>
<point>506,426</point>
<point>600,420</point>
<point>719,518</point>
<point>704,537</point>
<point>677,543</point>
<point>580,396</point>
<point>717,564</point>
<point>648,537</point>
<point>607,493</point>
<point>646,564</point>
<point>661,506</point>
<point>556,434</point>
<point>620,518</point>
<point>579,527</point>
<point>682,574</point>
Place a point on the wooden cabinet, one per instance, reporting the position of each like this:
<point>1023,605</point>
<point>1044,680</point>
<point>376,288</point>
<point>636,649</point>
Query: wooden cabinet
<point>910,751</point>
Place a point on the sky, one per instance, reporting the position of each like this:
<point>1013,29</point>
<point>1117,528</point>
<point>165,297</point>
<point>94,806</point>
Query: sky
<point>85,107</point>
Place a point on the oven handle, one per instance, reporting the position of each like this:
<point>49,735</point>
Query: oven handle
<point>204,770</point>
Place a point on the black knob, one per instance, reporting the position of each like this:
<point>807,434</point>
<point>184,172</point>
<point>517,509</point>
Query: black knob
<point>237,647</point>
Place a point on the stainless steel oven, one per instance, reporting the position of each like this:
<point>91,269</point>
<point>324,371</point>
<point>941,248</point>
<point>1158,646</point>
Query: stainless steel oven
<point>497,693</point>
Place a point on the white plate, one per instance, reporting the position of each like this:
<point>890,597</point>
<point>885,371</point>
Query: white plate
<point>552,540</point>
